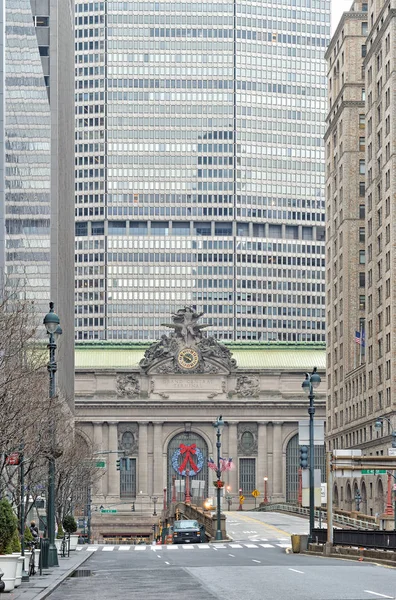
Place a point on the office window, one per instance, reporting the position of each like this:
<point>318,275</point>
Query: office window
<point>128,478</point>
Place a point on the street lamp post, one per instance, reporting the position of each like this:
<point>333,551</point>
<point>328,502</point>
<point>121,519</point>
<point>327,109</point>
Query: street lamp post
<point>358,500</point>
<point>51,322</point>
<point>155,500</point>
<point>218,424</point>
<point>265,490</point>
<point>310,383</point>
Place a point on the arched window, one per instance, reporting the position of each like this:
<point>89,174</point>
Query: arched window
<point>188,450</point>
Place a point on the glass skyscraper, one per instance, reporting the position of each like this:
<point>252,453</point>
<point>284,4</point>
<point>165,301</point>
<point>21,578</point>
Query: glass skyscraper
<point>200,167</point>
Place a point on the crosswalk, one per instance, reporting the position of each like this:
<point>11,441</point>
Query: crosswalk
<point>280,543</point>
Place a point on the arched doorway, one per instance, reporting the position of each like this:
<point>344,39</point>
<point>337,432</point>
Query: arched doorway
<point>293,465</point>
<point>188,450</point>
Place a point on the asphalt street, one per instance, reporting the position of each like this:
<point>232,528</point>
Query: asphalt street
<point>255,565</point>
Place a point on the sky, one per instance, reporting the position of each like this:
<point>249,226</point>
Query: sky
<point>337,8</point>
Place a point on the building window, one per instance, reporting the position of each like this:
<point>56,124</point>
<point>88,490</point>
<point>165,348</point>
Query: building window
<point>128,478</point>
<point>247,475</point>
<point>362,189</point>
<point>362,279</point>
<point>362,211</point>
<point>97,228</point>
<point>81,229</point>
<point>362,167</point>
<point>364,50</point>
<point>362,234</point>
<point>362,257</point>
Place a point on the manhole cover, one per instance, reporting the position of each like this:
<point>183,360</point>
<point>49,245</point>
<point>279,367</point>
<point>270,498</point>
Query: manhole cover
<point>82,573</point>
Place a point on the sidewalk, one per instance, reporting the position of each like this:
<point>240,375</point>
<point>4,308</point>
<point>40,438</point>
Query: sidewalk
<point>40,587</point>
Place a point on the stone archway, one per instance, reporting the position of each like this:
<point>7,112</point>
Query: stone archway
<point>189,450</point>
<point>363,493</point>
<point>379,497</point>
<point>335,496</point>
<point>348,498</point>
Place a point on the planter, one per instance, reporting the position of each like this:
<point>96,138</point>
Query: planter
<point>58,544</point>
<point>73,541</point>
<point>28,554</point>
<point>37,558</point>
<point>18,577</point>
<point>8,564</point>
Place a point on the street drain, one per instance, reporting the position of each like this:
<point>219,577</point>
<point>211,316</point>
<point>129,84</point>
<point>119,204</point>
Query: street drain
<point>82,573</point>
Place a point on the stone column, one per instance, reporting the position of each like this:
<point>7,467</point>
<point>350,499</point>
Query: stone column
<point>262,457</point>
<point>113,475</point>
<point>277,473</point>
<point>98,446</point>
<point>158,472</point>
<point>142,460</point>
<point>233,453</point>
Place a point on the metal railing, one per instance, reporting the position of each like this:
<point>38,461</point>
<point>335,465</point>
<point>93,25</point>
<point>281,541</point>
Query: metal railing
<point>381,540</point>
<point>338,519</point>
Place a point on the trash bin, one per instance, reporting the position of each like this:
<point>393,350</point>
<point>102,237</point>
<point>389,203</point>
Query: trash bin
<point>44,547</point>
<point>296,543</point>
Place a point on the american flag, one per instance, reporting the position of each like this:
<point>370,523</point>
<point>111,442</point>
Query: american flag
<point>358,337</point>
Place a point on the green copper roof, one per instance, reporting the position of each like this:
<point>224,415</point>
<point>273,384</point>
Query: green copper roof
<point>297,356</point>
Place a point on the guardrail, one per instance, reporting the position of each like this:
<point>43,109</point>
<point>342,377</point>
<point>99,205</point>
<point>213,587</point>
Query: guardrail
<point>338,519</point>
<point>382,540</point>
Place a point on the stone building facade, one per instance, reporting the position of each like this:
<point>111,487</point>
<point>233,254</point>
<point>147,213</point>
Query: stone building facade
<point>150,402</point>
<point>360,282</point>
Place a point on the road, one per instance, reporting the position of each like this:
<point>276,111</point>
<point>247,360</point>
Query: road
<point>254,566</point>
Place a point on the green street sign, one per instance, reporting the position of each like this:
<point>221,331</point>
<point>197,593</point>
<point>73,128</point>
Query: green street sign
<point>373,471</point>
<point>109,510</point>
<point>101,464</point>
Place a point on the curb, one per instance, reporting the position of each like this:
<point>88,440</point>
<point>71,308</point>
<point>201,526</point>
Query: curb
<point>45,593</point>
<point>354,558</point>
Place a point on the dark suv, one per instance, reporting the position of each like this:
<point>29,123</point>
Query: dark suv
<point>186,532</point>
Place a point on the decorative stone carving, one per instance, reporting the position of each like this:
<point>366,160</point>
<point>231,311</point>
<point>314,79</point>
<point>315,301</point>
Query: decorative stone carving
<point>127,386</point>
<point>247,439</point>
<point>185,350</point>
<point>247,386</point>
<point>128,438</point>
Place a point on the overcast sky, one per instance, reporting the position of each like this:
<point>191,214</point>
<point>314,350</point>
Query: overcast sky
<point>337,8</point>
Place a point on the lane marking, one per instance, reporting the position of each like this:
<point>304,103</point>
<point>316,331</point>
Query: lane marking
<point>251,546</point>
<point>283,545</point>
<point>140,548</point>
<point>107,548</point>
<point>124,548</point>
<point>296,571</point>
<point>257,521</point>
<point>257,561</point>
<point>171,547</point>
<point>267,546</point>
<point>78,548</point>
<point>377,594</point>
<point>235,545</point>
<point>167,563</point>
<point>188,547</point>
<point>203,546</point>
<point>233,555</point>
<point>158,555</point>
<point>92,548</point>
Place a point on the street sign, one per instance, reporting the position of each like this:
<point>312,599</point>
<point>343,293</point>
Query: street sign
<point>12,459</point>
<point>241,499</point>
<point>391,451</point>
<point>100,464</point>
<point>109,510</point>
<point>255,493</point>
<point>374,471</point>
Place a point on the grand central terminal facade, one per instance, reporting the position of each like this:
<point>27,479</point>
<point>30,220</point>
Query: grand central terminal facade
<point>155,405</point>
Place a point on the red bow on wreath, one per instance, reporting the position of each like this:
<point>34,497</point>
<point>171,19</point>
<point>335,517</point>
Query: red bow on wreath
<point>188,451</point>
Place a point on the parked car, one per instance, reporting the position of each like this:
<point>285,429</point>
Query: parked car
<point>186,532</point>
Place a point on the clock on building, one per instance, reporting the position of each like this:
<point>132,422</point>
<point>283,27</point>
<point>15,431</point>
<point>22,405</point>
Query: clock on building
<point>188,358</point>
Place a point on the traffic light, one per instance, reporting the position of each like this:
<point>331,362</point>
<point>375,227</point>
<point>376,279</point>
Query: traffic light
<point>303,457</point>
<point>118,464</point>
